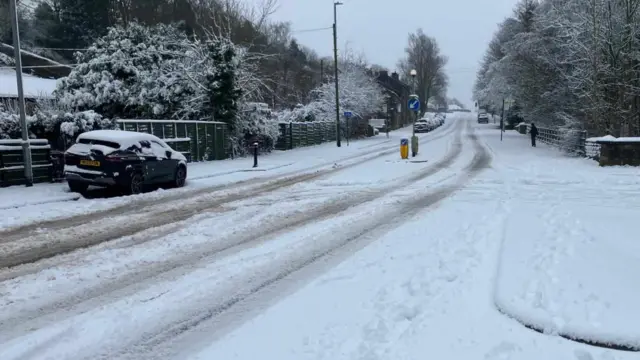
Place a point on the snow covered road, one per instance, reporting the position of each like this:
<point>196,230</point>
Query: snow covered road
<point>166,212</point>
<point>377,259</point>
<point>152,258</point>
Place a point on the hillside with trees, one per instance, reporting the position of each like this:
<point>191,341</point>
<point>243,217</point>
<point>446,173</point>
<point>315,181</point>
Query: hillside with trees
<point>210,60</point>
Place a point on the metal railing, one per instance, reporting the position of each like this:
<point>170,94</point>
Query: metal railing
<point>571,141</point>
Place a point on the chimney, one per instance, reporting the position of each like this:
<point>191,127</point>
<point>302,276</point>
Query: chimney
<point>383,74</point>
<point>395,75</point>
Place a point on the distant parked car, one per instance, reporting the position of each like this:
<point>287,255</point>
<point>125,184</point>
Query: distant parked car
<point>123,159</point>
<point>483,118</point>
<point>423,125</point>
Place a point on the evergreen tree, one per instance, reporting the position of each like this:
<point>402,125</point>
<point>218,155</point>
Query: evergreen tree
<point>220,80</point>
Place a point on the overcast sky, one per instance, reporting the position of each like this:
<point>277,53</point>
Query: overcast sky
<point>379,28</point>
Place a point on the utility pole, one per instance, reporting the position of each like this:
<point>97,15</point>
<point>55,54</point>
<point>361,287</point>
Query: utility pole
<point>335,68</point>
<point>502,120</point>
<point>26,149</point>
<point>321,71</point>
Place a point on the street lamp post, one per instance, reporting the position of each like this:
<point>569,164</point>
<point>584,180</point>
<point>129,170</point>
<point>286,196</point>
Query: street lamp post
<point>335,68</point>
<point>414,138</point>
<point>26,149</point>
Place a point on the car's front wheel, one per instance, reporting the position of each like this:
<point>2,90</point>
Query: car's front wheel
<point>78,187</point>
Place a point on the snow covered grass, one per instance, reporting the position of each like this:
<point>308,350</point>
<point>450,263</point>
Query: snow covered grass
<point>570,255</point>
<point>42,205</point>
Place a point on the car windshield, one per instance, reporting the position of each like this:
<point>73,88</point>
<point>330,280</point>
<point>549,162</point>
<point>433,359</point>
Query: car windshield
<point>110,144</point>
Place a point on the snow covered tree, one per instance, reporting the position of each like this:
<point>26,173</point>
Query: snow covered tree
<point>359,93</point>
<point>568,63</point>
<point>131,73</point>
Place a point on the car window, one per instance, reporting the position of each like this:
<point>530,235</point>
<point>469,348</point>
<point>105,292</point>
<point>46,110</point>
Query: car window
<point>110,144</point>
<point>158,143</point>
<point>159,150</point>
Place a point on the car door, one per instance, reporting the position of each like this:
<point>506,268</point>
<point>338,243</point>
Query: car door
<point>166,166</point>
<point>151,160</point>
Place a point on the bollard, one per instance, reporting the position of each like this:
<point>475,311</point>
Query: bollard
<point>255,154</point>
<point>404,148</point>
<point>414,146</point>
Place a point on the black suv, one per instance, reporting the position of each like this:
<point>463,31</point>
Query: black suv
<point>123,159</point>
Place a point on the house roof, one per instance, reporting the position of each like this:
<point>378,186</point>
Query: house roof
<point>41,65</point>
<point>33,86</point>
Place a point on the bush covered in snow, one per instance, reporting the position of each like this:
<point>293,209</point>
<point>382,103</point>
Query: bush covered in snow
<point>60,127</point>
<point>132,72</point>
<point>258,123</point>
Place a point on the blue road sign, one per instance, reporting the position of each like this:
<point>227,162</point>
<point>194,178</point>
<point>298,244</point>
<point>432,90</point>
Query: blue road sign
<point>414,104</point>
<point>348,114</point>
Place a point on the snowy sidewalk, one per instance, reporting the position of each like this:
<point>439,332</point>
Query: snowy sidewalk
<point>570,257</point>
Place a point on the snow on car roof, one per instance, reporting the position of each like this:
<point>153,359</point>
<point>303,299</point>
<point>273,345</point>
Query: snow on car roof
<point>117,136</point>
<point>124,138</point>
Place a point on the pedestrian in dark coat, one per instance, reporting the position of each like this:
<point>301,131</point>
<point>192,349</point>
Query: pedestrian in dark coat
<point>534,134</point>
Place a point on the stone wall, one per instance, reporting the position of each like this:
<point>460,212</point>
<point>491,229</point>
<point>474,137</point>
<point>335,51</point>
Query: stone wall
<point>619,152</point>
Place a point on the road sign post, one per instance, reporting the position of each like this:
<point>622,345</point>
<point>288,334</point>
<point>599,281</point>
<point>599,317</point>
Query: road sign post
<point>414,105</point>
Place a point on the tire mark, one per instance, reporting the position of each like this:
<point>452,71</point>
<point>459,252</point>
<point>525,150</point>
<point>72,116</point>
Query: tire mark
<point>20,232</point>
<point>220,248</point>
<point>331,255</point>
<point>69,239</point>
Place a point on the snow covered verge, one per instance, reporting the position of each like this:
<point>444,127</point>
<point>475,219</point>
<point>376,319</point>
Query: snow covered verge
<point>570,255</point>
<point>49,201</point>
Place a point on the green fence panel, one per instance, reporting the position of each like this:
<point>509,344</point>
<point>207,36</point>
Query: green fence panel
<point>304,140</point>
<point>191,133</point>
<point>297,135</point>
<point>169,131</point>
<point>130,127</point>
<point>210,141</point>
<point>145,127</point>
<point>220,141</point>
<point>181,130</point>
<point>157,130</point>
<point>202,141</point>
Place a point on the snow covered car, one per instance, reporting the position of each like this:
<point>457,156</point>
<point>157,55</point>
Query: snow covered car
<point>423,125</point>
<point>124,159</point>
<point>483,118</point>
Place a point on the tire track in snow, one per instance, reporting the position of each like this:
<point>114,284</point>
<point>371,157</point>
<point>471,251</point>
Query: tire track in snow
<point>221,318</point>
<point>84,231</point>
<point>22,231</point>
<point>179,265</point>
